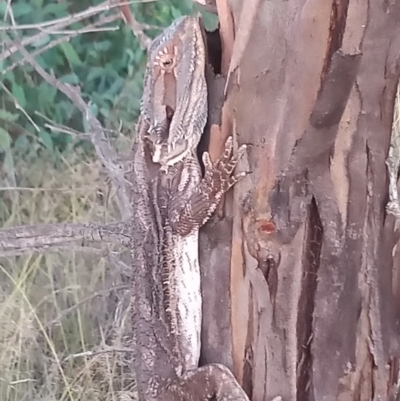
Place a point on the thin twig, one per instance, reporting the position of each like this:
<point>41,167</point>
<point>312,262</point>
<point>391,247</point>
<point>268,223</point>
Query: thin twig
<point>137,28</point>
<point>52,249</point>
<point>44,236</point>
<point>119,264</point>
<point>96,294</point>
<point>56,42</point>
<point>56,127</point>
<point>104,150</point>
<point>19,107</point>
<point>95,353</point>
<point>82,30</point>
<point>65,21</point>
<point>41,189</point>
<point>67,131</point>
<point>9,12</point>
<point>59,24</point>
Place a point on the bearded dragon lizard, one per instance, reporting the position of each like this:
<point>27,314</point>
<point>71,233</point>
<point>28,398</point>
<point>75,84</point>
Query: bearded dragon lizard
<point>171,201</point>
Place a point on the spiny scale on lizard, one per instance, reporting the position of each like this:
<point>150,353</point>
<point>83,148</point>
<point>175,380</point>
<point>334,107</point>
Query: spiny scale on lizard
<point>171,200</point>
<point>173,101</point>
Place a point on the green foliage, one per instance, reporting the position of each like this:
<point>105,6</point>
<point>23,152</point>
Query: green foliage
<point>54,307</point>
<point>107,66</point>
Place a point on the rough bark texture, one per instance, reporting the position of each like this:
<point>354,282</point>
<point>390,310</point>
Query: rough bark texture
<point>314,272</point>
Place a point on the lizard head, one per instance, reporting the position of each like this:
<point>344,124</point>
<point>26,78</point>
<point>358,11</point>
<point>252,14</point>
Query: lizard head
<point>174,101</point>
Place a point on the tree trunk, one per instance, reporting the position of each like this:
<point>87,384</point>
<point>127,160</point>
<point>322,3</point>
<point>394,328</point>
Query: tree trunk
<point>313,272</point>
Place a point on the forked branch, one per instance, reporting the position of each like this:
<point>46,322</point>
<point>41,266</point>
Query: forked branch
<point>105,151</point>
<point>56,26</point>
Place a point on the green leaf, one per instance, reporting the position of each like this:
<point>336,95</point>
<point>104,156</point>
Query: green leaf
<point>19,94</point>
<point>102,46</point>
<point>104,111</point>
<point>5,139</point>
<point>41,42</point>
<point>7,116</point>
<point>130,54</point>
<point>37,3</point>
<point>54,58</point>
<point>64,110</point>
<point>21,8</point>
<point>70,54</point>
<point>210,21</point>
<point>46,139</point>
<point>9,162</point>
<point>92,54</point>
<point>100,61</point>
<point>95,73</point>
<point>21,143</point>
<point>56,9</point>
<point>70,79</point>
<point>176,13</point>
<point>94,109</point>
<point>3,8</point>
<point>47,94</point>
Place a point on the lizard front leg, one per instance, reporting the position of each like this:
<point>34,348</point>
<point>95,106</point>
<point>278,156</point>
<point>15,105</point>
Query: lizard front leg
<point>213,381</point>
<point>204,199</point>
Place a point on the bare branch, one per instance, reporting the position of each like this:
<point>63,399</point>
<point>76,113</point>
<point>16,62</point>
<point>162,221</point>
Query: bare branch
<point>9,12</point>
<point>67,131</point>
<point>105,151</point>
<point>57,25</point>
<point>50,249</point>
<point>56,127</point>
<point>137,28</point>
<point>94,353</point>
<point>43,189</point>
<point>63,39</point>
<point>42,237</point>
<point>19,107</point>
<point>96,294</point>
<point>117,262</point>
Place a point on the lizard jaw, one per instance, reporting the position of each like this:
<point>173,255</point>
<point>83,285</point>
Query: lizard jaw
<point>175,95</point>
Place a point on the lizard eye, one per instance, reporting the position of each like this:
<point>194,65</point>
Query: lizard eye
<point>167,60</point>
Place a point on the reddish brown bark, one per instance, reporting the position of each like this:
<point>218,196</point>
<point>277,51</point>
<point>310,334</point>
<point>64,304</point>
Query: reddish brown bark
<point>313,283</point>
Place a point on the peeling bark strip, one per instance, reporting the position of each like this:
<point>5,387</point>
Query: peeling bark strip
<point>336,29</point>
<point>313,310</point>
<point>315,143</point>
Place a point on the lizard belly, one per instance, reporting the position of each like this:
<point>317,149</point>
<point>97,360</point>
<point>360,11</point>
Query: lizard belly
<point>189,300</point>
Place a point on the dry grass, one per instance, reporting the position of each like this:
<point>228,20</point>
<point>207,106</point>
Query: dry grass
<point>56,306</point>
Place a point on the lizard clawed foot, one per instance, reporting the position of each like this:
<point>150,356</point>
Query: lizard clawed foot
<point>220,172</point>
<point>218,178</point>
